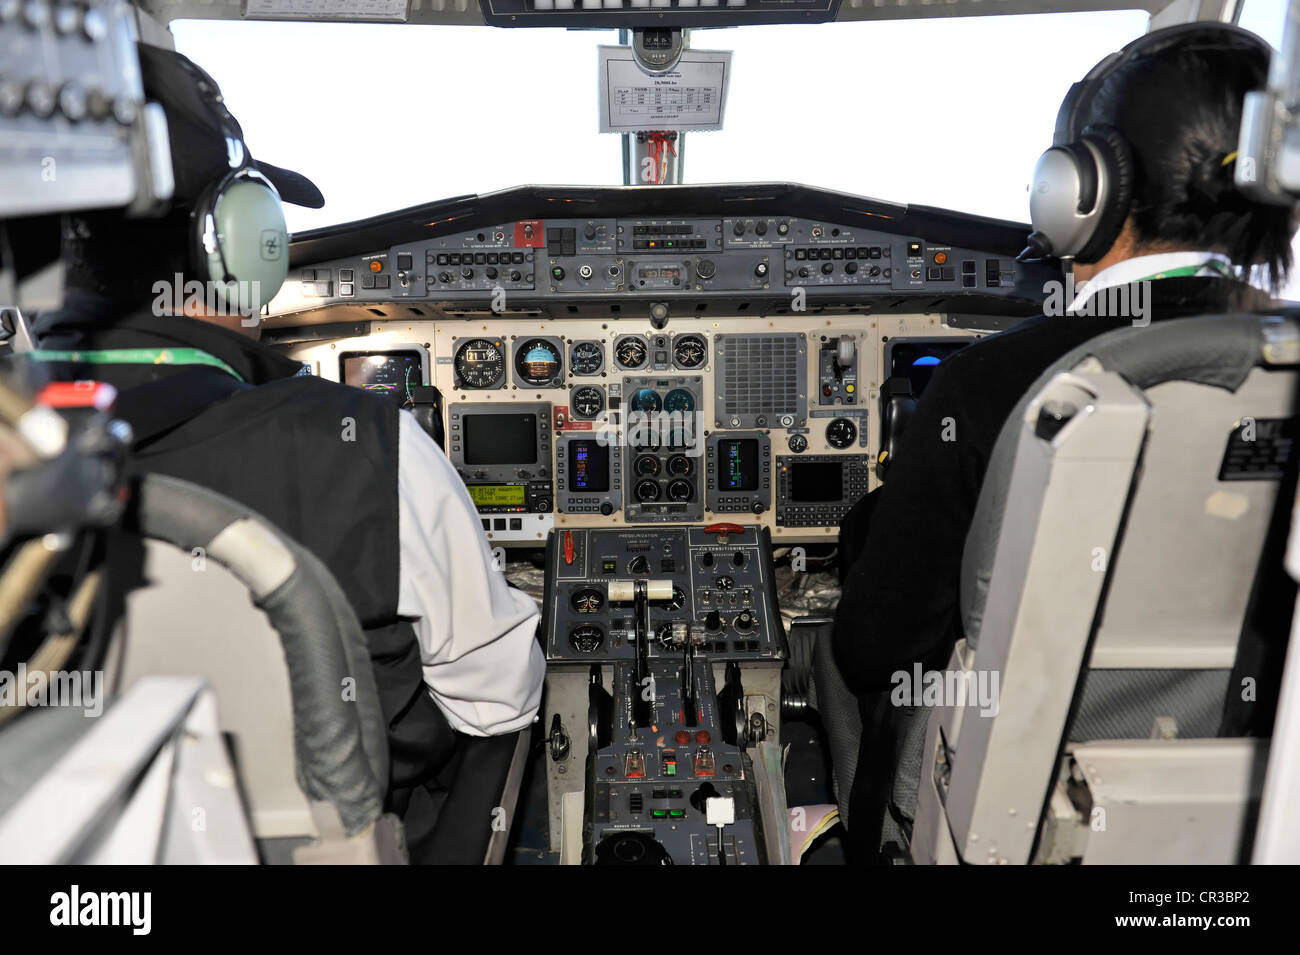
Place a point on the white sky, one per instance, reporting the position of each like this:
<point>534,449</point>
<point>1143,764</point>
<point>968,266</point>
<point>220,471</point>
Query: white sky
<point>949,112</point>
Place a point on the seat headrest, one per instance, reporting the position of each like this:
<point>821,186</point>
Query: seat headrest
<point>1219,351</point>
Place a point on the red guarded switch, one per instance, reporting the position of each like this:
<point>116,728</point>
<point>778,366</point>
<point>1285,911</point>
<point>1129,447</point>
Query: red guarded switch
<point>568,547</point>
<point>529,234</point>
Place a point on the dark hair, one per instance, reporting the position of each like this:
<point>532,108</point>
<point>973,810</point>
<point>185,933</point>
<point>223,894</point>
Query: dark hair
<point>1180,109</point>
<point>114,257</point>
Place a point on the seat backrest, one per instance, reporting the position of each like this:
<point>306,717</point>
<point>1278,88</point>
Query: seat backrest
<point>230,597</point>
<point>1106,578</point>
<point>194,616</point>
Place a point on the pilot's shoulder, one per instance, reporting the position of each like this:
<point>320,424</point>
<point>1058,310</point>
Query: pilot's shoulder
<point>312,391</point>
<point>1005,350</point>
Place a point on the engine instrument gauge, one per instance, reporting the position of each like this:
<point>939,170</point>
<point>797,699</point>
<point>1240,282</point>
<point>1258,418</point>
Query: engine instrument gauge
<point>646,400</point>
<point>646,465</point>
<point>689,351</point>
<point>680,490</point>
<point>679,400</point>
<point>630,352</point>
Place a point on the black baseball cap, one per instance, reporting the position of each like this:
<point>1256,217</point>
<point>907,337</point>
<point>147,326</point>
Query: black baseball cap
<point>206,141</point>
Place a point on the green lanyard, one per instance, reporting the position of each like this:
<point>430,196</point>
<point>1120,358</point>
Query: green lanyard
<point>137,356</point>
<point>1187,271</point>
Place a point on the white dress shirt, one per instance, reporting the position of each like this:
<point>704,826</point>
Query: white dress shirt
<point>1149,267</point>
<point>482,662</point>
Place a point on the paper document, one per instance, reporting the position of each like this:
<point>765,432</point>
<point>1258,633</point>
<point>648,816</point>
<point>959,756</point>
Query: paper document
<point>688,98</point>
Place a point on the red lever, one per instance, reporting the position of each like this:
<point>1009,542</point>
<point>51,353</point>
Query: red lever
<point>724,528</point>
<point>568,547</point>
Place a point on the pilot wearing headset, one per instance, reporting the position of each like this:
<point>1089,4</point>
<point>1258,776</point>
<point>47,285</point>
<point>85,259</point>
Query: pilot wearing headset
<point>1137,192</point>
<point>343,471</point>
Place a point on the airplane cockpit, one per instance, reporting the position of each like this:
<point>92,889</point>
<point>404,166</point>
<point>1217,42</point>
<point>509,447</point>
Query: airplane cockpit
<point>649,520</point>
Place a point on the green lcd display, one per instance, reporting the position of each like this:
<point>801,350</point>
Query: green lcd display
<point>499,495</point>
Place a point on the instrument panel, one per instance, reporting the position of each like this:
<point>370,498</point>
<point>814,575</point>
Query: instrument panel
<point>760,428</point>
<point>641,366</point>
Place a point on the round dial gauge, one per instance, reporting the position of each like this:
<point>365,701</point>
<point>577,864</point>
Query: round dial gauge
<point>679,599</point>
<point>587,600</point>
<point>479,363</point>
<point>841,433</point>
<point>646,465</point>
<point>689,351</point>
<point>664,635</point>
<point>679,465</point>
<point>587,358</point>
<point>630,352</point>
<point>587,402</point>
<point>647,491</point>
<point>679,400</point>
<point>646,399</point>
<point>798,443</point>
<point>587,638</point>
<point>537,362</point>
<point>680,490</point>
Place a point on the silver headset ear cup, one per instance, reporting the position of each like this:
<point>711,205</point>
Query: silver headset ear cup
<point>1064,198</point>
<point>243,242</point>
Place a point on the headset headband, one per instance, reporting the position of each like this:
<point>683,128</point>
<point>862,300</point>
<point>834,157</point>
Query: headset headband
<point>1217,36</point>
<point>236,151</point>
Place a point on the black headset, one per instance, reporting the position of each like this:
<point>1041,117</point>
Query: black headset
<point>1082,189</point>
<point>239,242</point>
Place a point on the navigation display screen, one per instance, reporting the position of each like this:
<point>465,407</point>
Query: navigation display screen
<point>816,482</point>
<point>588,466</point>
<point>500,439</point>
<point>389,374</point>
<point>738,464</point>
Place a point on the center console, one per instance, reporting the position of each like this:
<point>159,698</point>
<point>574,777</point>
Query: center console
<point>664,649</point>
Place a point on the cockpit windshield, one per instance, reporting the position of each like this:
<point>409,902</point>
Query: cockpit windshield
<point>385,118</point>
